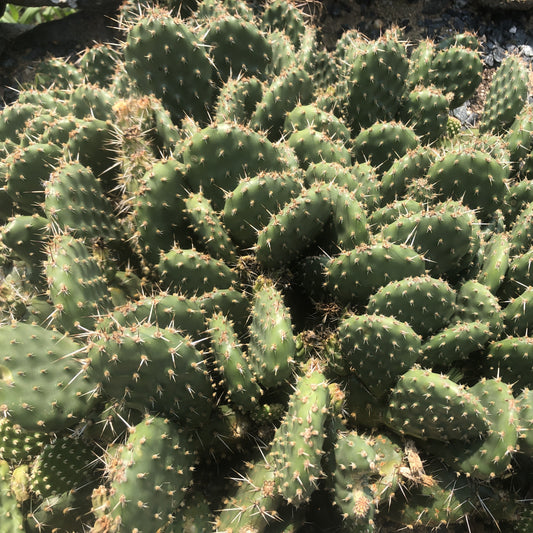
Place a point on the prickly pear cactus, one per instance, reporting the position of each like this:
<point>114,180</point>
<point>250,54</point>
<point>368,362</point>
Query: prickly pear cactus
<point>154,460</point>
<point>44,385</point>
<point>432,406</point>
<point>507,96</point>
<point>251,284</point>
<point>272,347</point>
<point>150,64</point>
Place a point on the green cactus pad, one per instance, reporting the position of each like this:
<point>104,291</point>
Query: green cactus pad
<point>88,101</point>
<point>218,156</point>
<point>76,284</point>
<point>111,422</point>
<point>382,143</point>
<point>255,503</point>
<point>456,70</point>
<point>18,445</point>
<point>506,96</point>
<point>355,468</point>
<point>51,100</point>
<point>28,169</point>
<point>425,109</point>
<point>232,363</point>
<point>476,302</point>
<point>75,202</point>
<point>191,272</point>
<point>425,303</point>
<point>446,498</point>
<point>387,214</point>
<point>236,47</point>
<point>155,460</point>
<point>298,441</point>
<point>519,137</point>
<point>163,310</point>
<point>232,303</point>
<point>44,386</point>
<point>237,99</point>
<point>193,514</point>
<point>353,276</point>
<point>304,116</point>
<point>495,261</point>
<point>284,16</point>
<point>156,220</point>
<point>524,402</point>
<point>326,70</point>
<point>91,144</point>
<point>377,75</point>
<point>518,276</point>
<point>413,165</point>
<point>68,511</point>
<point>455,343</point>
<point>209,9</point>
<point>209,234</point>
<point>518,314</point>
<point>161,56</point>
<point>292,87</point>
<point>10,510</point>
<point>98,63</point>
<point>420,63</point>
<point>272,347</point>
<point>444,234</point>
<point>294,228</point>
<point>360,178</point>
<point>58,467</point>
<point>314,146</point>
<point>427,405</point>
<point>348,227</point>
<point>474,177</point>
<point>510,359</point>
<point>378,349</point>
<point>13,120</point>
<point>250,205</point>
<point>57,73</point>
<point>521,231</point>
<point>153,367</point>
<point>26,235</point>
<point>57,130</point>
<point>467,39</point>
<point>283,53</point>
<point>489,457</point>
<point>517,197</point>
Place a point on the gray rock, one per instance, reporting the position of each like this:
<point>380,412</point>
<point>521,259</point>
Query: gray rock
<point>463,113</point>
<point>499,54</point>
<point>489,60</point>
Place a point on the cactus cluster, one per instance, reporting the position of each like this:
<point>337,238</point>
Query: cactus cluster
<point>249,284</point>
